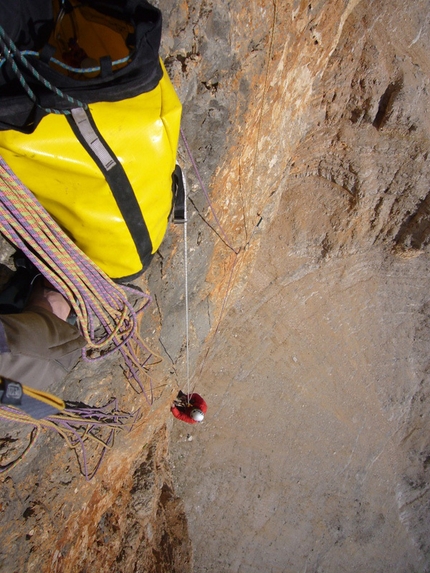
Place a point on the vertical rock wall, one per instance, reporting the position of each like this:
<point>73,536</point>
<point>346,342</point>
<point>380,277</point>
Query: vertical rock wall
<point>314,456</point>
<point>309,314</point>
<point>127,518</point>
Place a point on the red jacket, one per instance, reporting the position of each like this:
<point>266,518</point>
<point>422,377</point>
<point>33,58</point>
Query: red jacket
<point>183,412</point>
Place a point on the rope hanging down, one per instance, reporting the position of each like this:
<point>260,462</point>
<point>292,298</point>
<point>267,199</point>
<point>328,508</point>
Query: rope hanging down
<point>186,294</point>
<point>106,318</point>
<point>226,240</point>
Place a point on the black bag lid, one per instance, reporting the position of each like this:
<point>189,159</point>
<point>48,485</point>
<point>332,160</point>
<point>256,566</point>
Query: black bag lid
<point>30,23</point>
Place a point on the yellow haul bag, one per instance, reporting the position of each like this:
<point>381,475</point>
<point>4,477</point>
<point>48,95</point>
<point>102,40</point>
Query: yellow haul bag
<point>62,169</point>
<point>103,169</point>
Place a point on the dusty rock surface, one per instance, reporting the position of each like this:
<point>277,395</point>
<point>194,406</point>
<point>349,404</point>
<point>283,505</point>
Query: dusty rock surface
<point>309,316</point>
<point>315,454</point>
<point>127,519</point>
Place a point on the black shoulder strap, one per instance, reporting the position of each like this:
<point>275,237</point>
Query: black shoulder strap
<point>178,188</point>
<point>87,133</point>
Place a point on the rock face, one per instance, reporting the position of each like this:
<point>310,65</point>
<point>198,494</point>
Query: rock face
<point>314,456</point>
<point>127,519</point>
<point>309,311</point>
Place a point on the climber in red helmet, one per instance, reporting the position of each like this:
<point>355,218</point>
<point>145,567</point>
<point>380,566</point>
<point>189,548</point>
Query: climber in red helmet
<point>190,408</point>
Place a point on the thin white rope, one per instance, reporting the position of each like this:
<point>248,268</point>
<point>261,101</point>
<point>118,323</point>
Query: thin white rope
<point>187,311</point>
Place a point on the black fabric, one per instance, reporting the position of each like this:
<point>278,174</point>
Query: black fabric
<point>46,53</point>
<point>106,67</point>
<point>124,196</point>
<point>16,293</point>
<point>29,24</point>
<point>178,189</point>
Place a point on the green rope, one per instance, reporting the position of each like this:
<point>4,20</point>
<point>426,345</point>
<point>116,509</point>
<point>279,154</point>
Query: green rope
<point>10,52</point>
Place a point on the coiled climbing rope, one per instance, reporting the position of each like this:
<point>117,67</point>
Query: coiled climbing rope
<point>80,428</point>
<point>106,318</point>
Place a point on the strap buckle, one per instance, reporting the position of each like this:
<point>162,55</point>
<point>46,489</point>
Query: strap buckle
<point>10,392</point>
